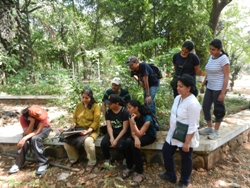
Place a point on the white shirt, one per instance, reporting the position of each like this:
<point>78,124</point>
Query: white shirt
<point>188,112</point>
<point>215,75</point>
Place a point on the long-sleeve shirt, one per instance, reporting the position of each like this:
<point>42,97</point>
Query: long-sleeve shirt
<point>88,118</point>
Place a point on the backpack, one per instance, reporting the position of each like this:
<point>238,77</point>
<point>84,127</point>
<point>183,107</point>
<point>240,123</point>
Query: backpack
<point>156,70</point>
<point>155,122</point>
<point>37,112</point>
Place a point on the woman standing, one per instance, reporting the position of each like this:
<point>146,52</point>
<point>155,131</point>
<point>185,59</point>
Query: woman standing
<point>143,133</point>
<point>216,81</point>
<point>117,127</point>
<point>185,62</point>
<point>86,118</point>
<point>186,110</point>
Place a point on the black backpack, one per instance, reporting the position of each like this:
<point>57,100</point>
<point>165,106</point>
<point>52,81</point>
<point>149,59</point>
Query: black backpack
<point>155,122</point>
<point>156,70</point>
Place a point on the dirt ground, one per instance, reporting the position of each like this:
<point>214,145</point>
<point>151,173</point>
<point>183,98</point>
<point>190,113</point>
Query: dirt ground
<point>233,171</point>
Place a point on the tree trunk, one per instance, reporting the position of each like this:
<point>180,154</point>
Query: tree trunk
<point>218,6</point>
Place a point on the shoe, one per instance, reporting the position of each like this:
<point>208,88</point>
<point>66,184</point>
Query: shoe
<point>13,169</point>
<point>42,169</point>
<point>213,136</point>
<point>89,168</point>
<point>126,173</point>
<point>107,165</point>
<point>70,164</point>
<point>181,185</point>
<point>206,131</point>
<point>165,176</point>
<point>137,179</point>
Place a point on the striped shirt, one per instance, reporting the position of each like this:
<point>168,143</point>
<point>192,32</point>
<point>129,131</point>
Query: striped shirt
<point>215,75</point>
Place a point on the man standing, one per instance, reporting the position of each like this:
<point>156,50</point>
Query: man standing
<point>146,78</point>
<point>116,88</point>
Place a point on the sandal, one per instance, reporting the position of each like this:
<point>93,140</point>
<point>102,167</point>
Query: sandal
<point>137,179</point>
<point>70,164</point>
<point>89,168</point>
<point>126,173</point>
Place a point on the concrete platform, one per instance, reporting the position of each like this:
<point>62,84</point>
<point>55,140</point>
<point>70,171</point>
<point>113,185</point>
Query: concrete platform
<point>232,126</point>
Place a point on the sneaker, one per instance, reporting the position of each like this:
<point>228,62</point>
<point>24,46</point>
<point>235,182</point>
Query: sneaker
<point>13,169</point>
<point>206,131</point>
<point>165,176</point>
<point>213,136</point>
<point>181,185</point>
<point>107,165</point>
<point>42,169</point>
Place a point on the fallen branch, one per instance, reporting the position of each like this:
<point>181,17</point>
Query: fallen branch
<point>52,164</point>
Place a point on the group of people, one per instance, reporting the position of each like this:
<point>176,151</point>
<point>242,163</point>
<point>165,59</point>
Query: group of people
<point>129,123</point>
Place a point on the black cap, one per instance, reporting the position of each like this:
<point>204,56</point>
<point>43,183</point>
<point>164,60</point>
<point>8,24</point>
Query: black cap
<point>131,60</point>
<point>219,109</point>
<point>113,98</point>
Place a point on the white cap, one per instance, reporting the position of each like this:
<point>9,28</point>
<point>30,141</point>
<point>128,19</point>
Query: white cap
<point>116,81</point>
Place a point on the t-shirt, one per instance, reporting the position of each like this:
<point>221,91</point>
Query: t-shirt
<point>117,120</point>
<point>124,95</point>
<point>190,62</point>
<point>215,75</point>
<point>145,70</point>
<point>140,122</point>
<point>25,123</point>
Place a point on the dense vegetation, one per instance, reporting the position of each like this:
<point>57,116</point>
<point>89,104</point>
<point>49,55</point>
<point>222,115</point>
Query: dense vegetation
<point>58,47</point>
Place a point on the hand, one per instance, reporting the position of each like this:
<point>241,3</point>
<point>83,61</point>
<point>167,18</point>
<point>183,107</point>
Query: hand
<point>221,97</point>
<point>21,143</point>
<point>133,117</point>
<point>137,143</point>
<point>84,132</point>
<point>114,143</point>
<point>73,125</point>
<point>148,100</point>
<point>185,147</point>
<point>202,90</point>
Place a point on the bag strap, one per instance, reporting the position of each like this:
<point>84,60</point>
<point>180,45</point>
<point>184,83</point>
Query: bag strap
<point>183,66</point>
<point>177,107</point>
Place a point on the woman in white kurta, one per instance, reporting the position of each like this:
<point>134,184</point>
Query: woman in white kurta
<point>186,109</point>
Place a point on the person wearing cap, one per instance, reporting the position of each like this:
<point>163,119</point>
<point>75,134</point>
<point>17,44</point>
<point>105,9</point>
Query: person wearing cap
<point>216,82</point>
<point>116,88</point>
<point>185,62</point>
<point>145,76</point>
<point>117,127</point>
<point>36,127</point>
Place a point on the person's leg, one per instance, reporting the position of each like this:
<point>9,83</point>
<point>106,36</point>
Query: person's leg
<point>105,143</point>
<point>71,152</point>
<point>168,157</point>
<point>137,155</point>
<point>37,145</point>
<point>186,166</point>
<point>153,90</point>
<point>89,146</point>
<point>121,145</point>
<point>129,158</point>
<point>22,153</point>
<point>206,106</point>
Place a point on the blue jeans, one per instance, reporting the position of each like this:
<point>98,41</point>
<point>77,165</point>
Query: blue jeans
<point>152,90</point>
<point>186,162</point>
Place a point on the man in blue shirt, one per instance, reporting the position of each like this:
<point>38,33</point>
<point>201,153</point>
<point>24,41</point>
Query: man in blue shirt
<point>146,78</point>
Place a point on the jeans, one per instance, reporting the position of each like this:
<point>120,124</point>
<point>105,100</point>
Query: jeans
<point>153,90</point>
<point>186,162</point>
<point>105,143</point>
<point>36,143</point>
<point>134,155</point>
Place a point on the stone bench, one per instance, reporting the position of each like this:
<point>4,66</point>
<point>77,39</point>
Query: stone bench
<point>235,130</point>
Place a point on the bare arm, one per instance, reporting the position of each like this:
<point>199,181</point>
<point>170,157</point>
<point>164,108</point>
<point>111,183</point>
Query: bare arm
<point>226,71</point>
<point>103,109</point>
<point>197,70</point>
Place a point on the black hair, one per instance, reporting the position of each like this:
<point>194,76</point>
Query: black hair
<point>187,81</point>
<point>143,109</point>
<point>120,101</point>
<point>217,43</point>
<point>188,45</point>
<point>25,112</point>
<point>89,92</point>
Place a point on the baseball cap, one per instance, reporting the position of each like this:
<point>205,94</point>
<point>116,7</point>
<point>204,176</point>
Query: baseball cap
<point>131,60</point>
<point>116,81</point>
<point>113,98</point>
<point>219,109</point>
